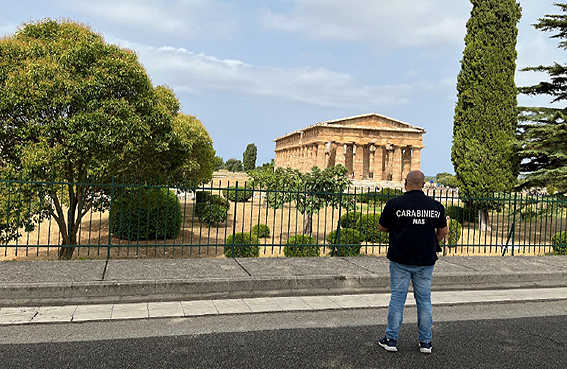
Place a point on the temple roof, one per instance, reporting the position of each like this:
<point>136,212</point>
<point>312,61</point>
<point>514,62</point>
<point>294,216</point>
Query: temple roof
<point>370,121</point>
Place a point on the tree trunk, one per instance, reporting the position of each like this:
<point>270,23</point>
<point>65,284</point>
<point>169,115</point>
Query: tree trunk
<point>307,224</point>
<point>484,221</point>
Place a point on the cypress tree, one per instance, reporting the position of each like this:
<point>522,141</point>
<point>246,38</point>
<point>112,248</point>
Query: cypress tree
<point>249,157</point>
<point>543,130</point>
<point>484,151</point>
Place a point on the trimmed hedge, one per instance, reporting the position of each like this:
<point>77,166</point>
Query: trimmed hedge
<point>367,224</point>
<point>238,194</point>
<point>261,231</point>
<point>559,242</point>
<point>143,213</point>
<point>245,246</point>
<point>349,237</point>
<point>349,219</point>
<point>202,196</point>
<point>213,214</point>
<point>219,200</point>
<point>301,251</point>
<point>455,229</point>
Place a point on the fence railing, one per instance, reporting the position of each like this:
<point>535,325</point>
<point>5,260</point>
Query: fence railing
<point>122,218</point>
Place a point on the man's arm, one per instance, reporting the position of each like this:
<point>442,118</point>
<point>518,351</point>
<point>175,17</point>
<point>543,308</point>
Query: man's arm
<point>440,233</point>
<point>381,228</point>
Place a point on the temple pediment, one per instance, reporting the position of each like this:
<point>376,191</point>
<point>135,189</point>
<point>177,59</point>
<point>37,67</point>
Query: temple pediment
<point>371,120</point>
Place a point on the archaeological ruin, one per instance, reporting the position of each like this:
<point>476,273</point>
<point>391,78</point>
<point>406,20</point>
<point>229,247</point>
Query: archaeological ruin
<point>373,147</point>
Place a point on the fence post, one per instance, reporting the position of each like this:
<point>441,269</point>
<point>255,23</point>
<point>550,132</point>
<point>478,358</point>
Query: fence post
<point>110,219</point>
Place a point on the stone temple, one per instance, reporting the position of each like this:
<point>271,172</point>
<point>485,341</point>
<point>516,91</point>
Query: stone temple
<point>373,147</point>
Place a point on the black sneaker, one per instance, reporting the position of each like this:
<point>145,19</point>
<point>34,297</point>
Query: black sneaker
<point>389,345</point>
<point>425,347</point>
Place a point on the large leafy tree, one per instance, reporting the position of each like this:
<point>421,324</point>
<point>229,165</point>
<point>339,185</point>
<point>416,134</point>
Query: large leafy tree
<point>310,191</point>
<point>74,109</point>
<point>542,131</point>
<point>484,146</point>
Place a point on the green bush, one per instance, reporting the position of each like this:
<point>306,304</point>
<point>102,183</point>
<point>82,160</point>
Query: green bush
<point>202,196</point>
<point>198,209</point>
<point>349,237</point>
<point>559,242</point>
<point>245,245</point>
<point>461,213</point>
<point>455,229</point>
<point>293,247</point>
<point>213,214</point>
<point>238,194</point>
<point>261,230</point>
<point>219,200</point>
<point>350,219</point>
<point>367,224</point>
<point>143,213</point>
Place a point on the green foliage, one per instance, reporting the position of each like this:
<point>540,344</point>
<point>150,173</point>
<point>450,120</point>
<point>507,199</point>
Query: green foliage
<point>348,242</point>
<point>462,213</point>
<point>310,191</point>
<point>455,230</point>
<point>202,196</point>
<point>249,157</point>
<point>484,131</point>
<point>261,231</point>
<point>22,207</point>
<point>559,242</point>
<point>219,163</point>
<point>293,248</point>
<point>142,213</point>
<point>447,179</point>
<point>350,219</point>
<point>241,245</point>
<point>197,146</point>
<point>543,130</point>
<point>74,107</point>
<point>238,193</point>
<point>218,200</point>
<point>214,214</point>
<point>233,165</point>
<point>367,224</point>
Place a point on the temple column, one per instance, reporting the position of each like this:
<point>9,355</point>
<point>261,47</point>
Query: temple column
<point>357,161</point>
<point>379,163</point>
<point>416,158</point>
<point>406,165</point>
<point>341,154</point>
<point>397,164</point>
<point>371,161</point>
<point>321,159</point>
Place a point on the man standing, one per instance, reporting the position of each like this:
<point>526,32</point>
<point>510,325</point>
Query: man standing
<point>416,224</point>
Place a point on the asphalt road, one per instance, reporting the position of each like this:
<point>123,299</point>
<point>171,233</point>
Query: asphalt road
<point>465,336</point>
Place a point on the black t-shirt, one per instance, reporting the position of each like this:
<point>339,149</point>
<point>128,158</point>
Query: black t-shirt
<point>411,220</point>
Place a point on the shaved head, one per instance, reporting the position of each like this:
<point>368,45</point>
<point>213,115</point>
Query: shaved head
<point>416,177</point>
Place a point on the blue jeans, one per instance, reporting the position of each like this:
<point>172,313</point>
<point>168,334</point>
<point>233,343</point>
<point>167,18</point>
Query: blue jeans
<point>400,276</point>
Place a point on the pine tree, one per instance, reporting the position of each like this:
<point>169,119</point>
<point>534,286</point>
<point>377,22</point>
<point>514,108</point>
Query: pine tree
<point>484,146</point>
<point>543,130</point>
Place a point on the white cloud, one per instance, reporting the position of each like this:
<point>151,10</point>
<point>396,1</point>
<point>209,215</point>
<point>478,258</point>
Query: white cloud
<point>181,18</point>
<point>201,74</point>
<point>391,24</point>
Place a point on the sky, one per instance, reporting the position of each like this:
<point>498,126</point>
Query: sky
<point>252,70</point>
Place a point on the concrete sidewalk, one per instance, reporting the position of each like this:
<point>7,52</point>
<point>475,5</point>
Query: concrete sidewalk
<point>115,282</point>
